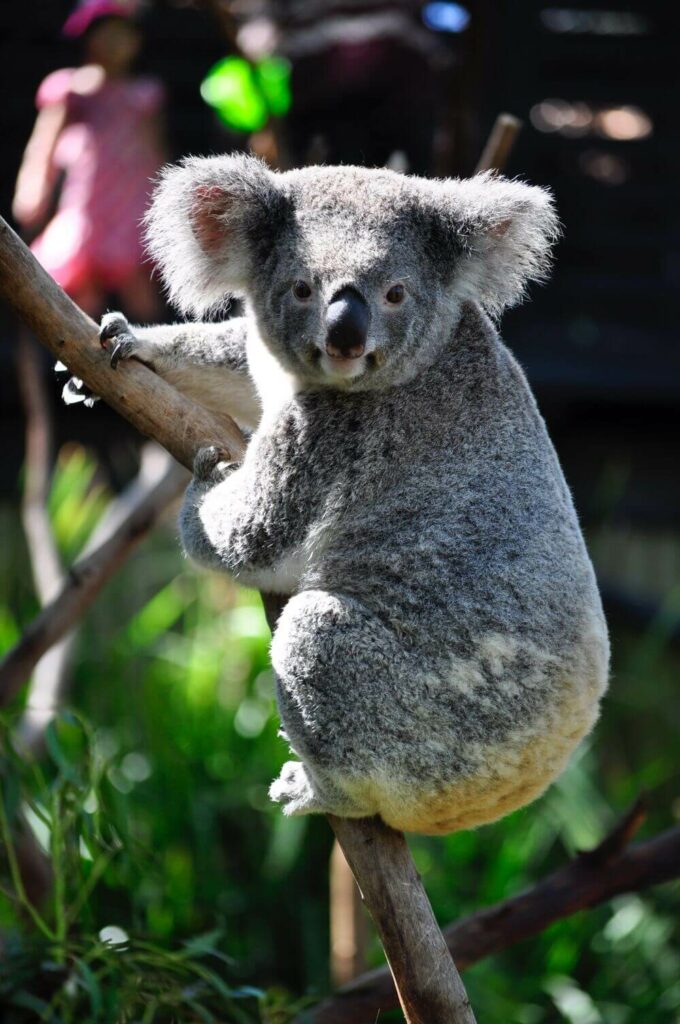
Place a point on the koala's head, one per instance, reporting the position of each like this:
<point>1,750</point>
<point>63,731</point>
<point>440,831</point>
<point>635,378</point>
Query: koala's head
<point>355,276</point>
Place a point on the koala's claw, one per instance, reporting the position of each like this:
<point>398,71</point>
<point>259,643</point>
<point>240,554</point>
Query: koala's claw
<point>124,348</point>
<point>210,464</point>
<point>117,338</point>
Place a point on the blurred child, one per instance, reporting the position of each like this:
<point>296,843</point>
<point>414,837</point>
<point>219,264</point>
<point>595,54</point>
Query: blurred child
<point>97,142</point>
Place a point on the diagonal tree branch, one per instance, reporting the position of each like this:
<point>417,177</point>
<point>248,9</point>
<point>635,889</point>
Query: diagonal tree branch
<point>88,575</point>
<point>591,878</point>
<point>154,407</point>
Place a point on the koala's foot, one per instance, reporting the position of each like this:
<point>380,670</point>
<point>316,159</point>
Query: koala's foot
<point>295,791</point>
<point>210,465</point>
<point>119,341</point>
<point>74,390</point>
<point>299,793</point>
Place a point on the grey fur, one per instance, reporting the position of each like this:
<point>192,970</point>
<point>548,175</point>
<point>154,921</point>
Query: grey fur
<point>444,648</point>
<point>206,361</point>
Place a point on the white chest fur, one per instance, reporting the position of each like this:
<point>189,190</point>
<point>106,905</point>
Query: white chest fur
<point>274,385</point>
<point>282,578</point>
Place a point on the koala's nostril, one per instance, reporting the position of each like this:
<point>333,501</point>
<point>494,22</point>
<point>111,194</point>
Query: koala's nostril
<point>347,324</point>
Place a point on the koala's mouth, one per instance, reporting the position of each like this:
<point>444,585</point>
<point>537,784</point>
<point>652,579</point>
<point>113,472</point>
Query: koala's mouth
<point>343,368</point>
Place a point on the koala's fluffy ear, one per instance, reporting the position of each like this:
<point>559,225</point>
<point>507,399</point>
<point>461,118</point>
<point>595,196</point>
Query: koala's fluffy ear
<point>502,232</point>
<point>205,223</point>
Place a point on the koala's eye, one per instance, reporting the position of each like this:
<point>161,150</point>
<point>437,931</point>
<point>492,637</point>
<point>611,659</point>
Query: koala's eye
<point>302,291</point>
<point>396,295</point>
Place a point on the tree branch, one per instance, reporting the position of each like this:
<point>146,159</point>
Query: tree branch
<point>431,990</point>
<point>347,921</point>
<point>52,672</point>
<point>429,986</point>
<point>155,408</point>
<point>591,878</point>
<point>496,152</point>
<point>88,575</point>
<point>46,565</point>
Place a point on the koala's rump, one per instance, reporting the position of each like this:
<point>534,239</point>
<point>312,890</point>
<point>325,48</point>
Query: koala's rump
<point>432,745</point>
<point>504,775</point>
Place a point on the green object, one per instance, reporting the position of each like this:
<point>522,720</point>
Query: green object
<point>245,95</point>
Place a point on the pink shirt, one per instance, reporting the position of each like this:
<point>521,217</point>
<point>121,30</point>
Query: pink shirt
<point>108,151</point>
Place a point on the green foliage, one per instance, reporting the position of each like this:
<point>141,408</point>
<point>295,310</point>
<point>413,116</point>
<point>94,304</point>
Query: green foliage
<point>65,968</point>
<point>152,800</point>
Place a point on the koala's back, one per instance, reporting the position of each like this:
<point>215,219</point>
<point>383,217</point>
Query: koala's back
<point>443,513</point>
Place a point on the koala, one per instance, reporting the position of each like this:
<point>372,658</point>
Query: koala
<point>443,647</point>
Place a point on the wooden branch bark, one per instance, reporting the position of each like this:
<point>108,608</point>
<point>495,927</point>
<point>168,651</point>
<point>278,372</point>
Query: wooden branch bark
<point>348,922</point>
<point>428,984</point>
<point>590,879</point>
<point>46,566</point>
<point>155,408</point>
<point>431,990</point>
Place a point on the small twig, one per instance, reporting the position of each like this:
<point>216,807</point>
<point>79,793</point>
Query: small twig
<point>619,837</point>
<point>496,152</point>
<point>582,883</point>
<point>85,579</point>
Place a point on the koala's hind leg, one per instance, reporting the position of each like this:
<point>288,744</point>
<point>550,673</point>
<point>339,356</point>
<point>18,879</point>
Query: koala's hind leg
<point>335,664</point>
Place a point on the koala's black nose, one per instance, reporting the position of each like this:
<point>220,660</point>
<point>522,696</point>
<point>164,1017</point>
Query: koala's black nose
<point>347,322</point>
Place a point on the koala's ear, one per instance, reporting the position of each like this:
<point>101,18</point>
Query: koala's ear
<point>207,221</point>
<point>501,232</point>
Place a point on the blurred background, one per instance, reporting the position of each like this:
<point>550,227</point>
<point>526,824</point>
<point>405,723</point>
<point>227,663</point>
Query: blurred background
<point>151,738</point>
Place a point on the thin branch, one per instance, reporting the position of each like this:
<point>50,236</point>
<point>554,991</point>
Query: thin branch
<point>619,837</point>
<point>87,577</point>
<point>52,672</point>
<point>46,564</point>
<point>348,921</point>
<point>496,152</point>
<point>588,880</point>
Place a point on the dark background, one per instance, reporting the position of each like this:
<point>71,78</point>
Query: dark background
<point>599,341</point>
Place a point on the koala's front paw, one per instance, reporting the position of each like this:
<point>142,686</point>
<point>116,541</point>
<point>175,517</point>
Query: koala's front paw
<point>210,465</point>
<point>119,341</point>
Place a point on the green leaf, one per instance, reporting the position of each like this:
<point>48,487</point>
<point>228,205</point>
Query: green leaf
<point>92,986</point>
